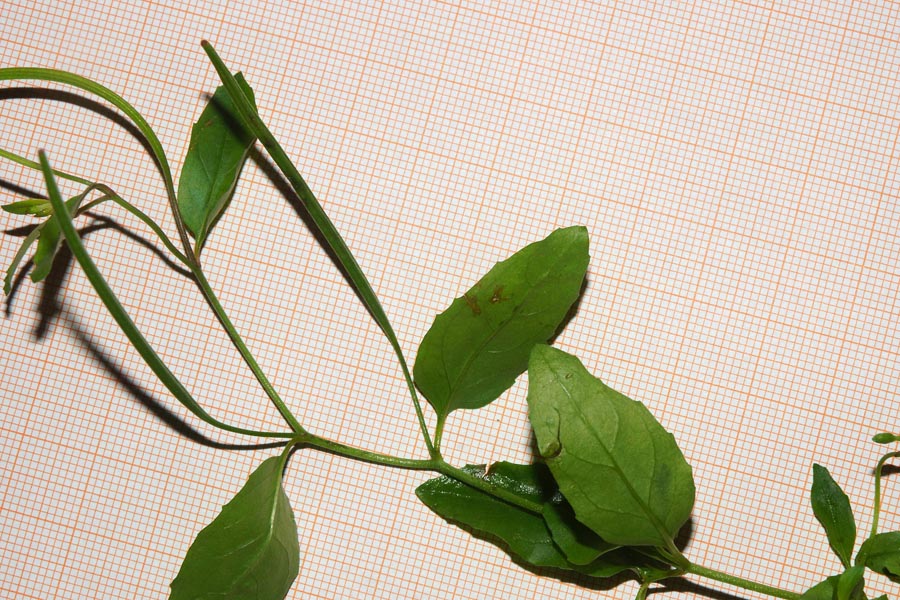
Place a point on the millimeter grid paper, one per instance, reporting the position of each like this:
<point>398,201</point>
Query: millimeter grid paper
<point>735,162</point>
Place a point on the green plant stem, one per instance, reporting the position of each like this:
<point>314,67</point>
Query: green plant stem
<point>314,441</point>
<point>741,582</point>
<point>242,348</point>
<point>335,242</point>
<point>876,511</point>
<point>195,268</point>
<point>109,299</point>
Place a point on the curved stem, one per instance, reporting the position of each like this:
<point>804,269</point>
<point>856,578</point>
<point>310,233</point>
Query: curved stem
<point>876,512</point>
<point>137,339</point>
<point>741,582</point>
<point>242,348</point>
<point>329,232</point>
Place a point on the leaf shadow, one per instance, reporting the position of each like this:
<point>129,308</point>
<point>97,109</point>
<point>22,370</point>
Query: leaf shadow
<point>48,302</point>
<point>682,585</point>
<point>49,310</point>
<point>275,177</point>
<point>148,401</point>
<point>75,99</point>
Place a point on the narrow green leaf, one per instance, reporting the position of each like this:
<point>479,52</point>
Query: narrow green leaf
<point>220,142</point>
<point>49,242</point>
<point>580,545</point>
<point>250,551</point>
<point>480,344</point>
<point>30,239</point>
<point>124,321</point>
<point>323,223</point>
<point>620,470</point>
<point>832,508</point>
<point>38,207</point>
<point>881,553</point>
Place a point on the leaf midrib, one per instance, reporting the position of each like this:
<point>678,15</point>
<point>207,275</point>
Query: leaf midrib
<point>654,519</point>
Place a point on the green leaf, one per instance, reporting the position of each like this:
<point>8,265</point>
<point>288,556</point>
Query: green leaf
<point>38,207</point>
<point>250,551</point>
<point>620,470</point>
<point>580,545</point>
<point>220,142</point>
<point>881,553</point>
<point>524,533</point>
<point>30,239</point>
<point>49,241</point>
<point>832,508</point>
<point>323,223</point>
<point>480,344</point>
<point>885,438</point>
<point>848,585</point>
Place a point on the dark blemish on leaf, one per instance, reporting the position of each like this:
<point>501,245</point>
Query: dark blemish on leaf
<point>568,376</point>
<point>498,295</point>
<point>472,301</point>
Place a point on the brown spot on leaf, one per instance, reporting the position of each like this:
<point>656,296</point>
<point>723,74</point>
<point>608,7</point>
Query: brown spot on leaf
<point>497,296</point>
<point>472,301</point>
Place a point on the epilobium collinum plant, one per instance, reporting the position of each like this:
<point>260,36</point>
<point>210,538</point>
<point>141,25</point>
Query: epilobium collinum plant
<point>610,489</point>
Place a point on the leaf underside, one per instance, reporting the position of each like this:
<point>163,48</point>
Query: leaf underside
<point>250,551</point>
<point>477,347</point>
<point>623,474</point>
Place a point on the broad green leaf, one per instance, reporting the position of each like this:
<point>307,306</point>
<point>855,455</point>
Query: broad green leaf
<point>250,551</point>
<point>49,241</point>
<point>580,545</point>
<point>832,508</point>
<point>480,344</point>
<point>825,590</point>
<point>524,533</point>
<point>38,207</point>
<point>885,438</point>
<point>881,553</point>
<point>220,142</point>
<point>619,469</point>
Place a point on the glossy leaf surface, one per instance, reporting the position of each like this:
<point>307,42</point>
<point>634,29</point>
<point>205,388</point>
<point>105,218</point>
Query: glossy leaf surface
<point>220,142</point>
<point>619,469</point>
<point>832,508</point>
<point>250,551</point>
<point>477,347</point>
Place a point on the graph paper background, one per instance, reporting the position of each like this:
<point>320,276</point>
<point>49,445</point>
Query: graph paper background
<point>735,162</point>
